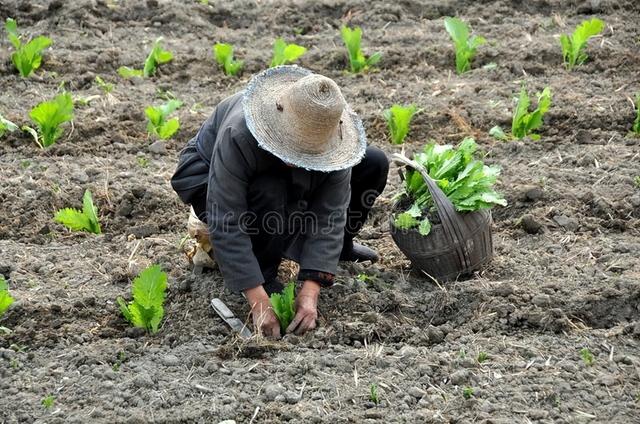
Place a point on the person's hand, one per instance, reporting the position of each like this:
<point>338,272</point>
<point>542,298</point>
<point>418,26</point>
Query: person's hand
<point>306,309</point>
<point>265,321</point>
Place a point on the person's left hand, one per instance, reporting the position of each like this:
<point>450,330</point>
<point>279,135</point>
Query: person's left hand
<point>306,309</point>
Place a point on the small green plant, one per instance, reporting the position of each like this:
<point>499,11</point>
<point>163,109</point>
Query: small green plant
<point>85,220</point>
<point>467,392</point>
<point>373,393</point>
<point>636,124</point>
<point>146,310</point>
<point>224,56</point>
<point>573,46</point>
<point>482,356</point>
<point>106,87</point>
<point>466,181</point>
<point>587,356</point>
<point>636,181</point>
<point>48,401</point>
<point>121,358</point>
<point>143,162</point>
<point>524,122</point>
<point>364,278</point>
<point>6,126</point>
<point>26,57</point>
<point>5,298</point>
<point>465,45</point>
<point>284,305</point>
<point>284,53</point>
<point>358,62</point>
<point>49,116</point>
<point>398,120</point>
<point>157,56</point>
<point>158,124</point>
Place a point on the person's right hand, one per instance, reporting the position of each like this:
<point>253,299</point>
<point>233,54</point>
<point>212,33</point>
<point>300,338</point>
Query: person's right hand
<point>265,321</point>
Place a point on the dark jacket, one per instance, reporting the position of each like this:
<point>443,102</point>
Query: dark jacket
<point>226,158</point>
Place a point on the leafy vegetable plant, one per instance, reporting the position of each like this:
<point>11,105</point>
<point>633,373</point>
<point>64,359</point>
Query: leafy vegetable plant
<point>587,356</point>
<point>466,181</point>
<point>224,56</point>
<point>84,220</point>
<point>6,125</point>
<point>357,60</point>
<point>465,45</point>
<point>26,57</point>
<point>524,122</point>
<point>373,393</point>
<point>284,305</point>
<point>467,392</point>
<point>398,120</point>
<point>49,116</point>
<point>158,124</point>
<point>5,298</point>
<point>146,310</point>
<point>635,128</point>
<point>156,57</point>
<point>573,46</point>
<point>48,401</point>
<point>284,53</point>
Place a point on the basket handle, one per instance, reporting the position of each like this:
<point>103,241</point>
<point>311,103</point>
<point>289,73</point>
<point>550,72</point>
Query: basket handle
<point>455,228</point>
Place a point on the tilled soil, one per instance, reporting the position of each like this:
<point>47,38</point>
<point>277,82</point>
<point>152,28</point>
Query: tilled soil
<point>564,278</point>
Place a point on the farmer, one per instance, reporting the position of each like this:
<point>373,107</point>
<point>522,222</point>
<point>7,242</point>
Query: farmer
<point>282,170</point>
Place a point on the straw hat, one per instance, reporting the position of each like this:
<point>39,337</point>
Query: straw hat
<point>303,119</point>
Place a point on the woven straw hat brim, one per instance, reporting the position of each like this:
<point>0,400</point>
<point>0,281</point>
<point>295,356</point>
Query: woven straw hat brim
<point>277,136</point>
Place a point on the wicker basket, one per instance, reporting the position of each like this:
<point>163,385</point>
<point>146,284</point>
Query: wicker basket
<point>458,246</point>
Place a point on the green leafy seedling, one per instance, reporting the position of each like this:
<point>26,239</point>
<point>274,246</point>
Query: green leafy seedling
<point>26,57</point>
<point>467,392</point>
<point>636,124</point>
<point>358,62</point>
<point>106,87</point>
<point>224,56</point>
<point>374,396</point>
<point>284,305</point>
<point>398,121</point>
<point>524,122</point>
<point>284,53</point>
<point>573,46</point>
<point>84,220</point>
<point>157,56</point>
<point>158,124</point>
<point>587,356</point>
<point>5,298</point>
<point>636,181</point>
<point>48,401</point>
<point>6,126</point>
<point>364,278</point>
<point>482,357</point>
<point>147,308</point>
<point>49,116</point>
<point>465,44</point>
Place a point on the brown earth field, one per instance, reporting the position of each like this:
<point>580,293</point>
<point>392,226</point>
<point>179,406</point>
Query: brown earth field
<point>572,284</point>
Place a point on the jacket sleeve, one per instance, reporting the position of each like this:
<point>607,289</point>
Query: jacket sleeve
<point>232,167</point>
<point>322,247</point>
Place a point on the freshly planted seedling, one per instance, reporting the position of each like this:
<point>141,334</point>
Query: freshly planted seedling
<point>465,45</point>
<point>49,116</point>
<point>48,401</point>
<point>84,220</point>
<point>524,122</point>
<point>26,57</point>
<point>482,356</point>
<point>373,393</point>
<point>158,124</point>
<point>284,53</point>
<point>467,392</point>
<point>106,87</point>
<point>156,57</point>
<point>284,305</point>
<point>5,298</point>
<point>587,356</point>
<point>636,181</point>
<point>224,56</point>
<point>398,120</point>
<point>466,181</point>
<point>636,124</point>
<point>146,310</point>
<point>6,126</point>
<point>358,62</point>
<point>573,46</point>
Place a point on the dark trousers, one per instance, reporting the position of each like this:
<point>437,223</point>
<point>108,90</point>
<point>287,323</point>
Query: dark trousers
<point>268,195</point>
